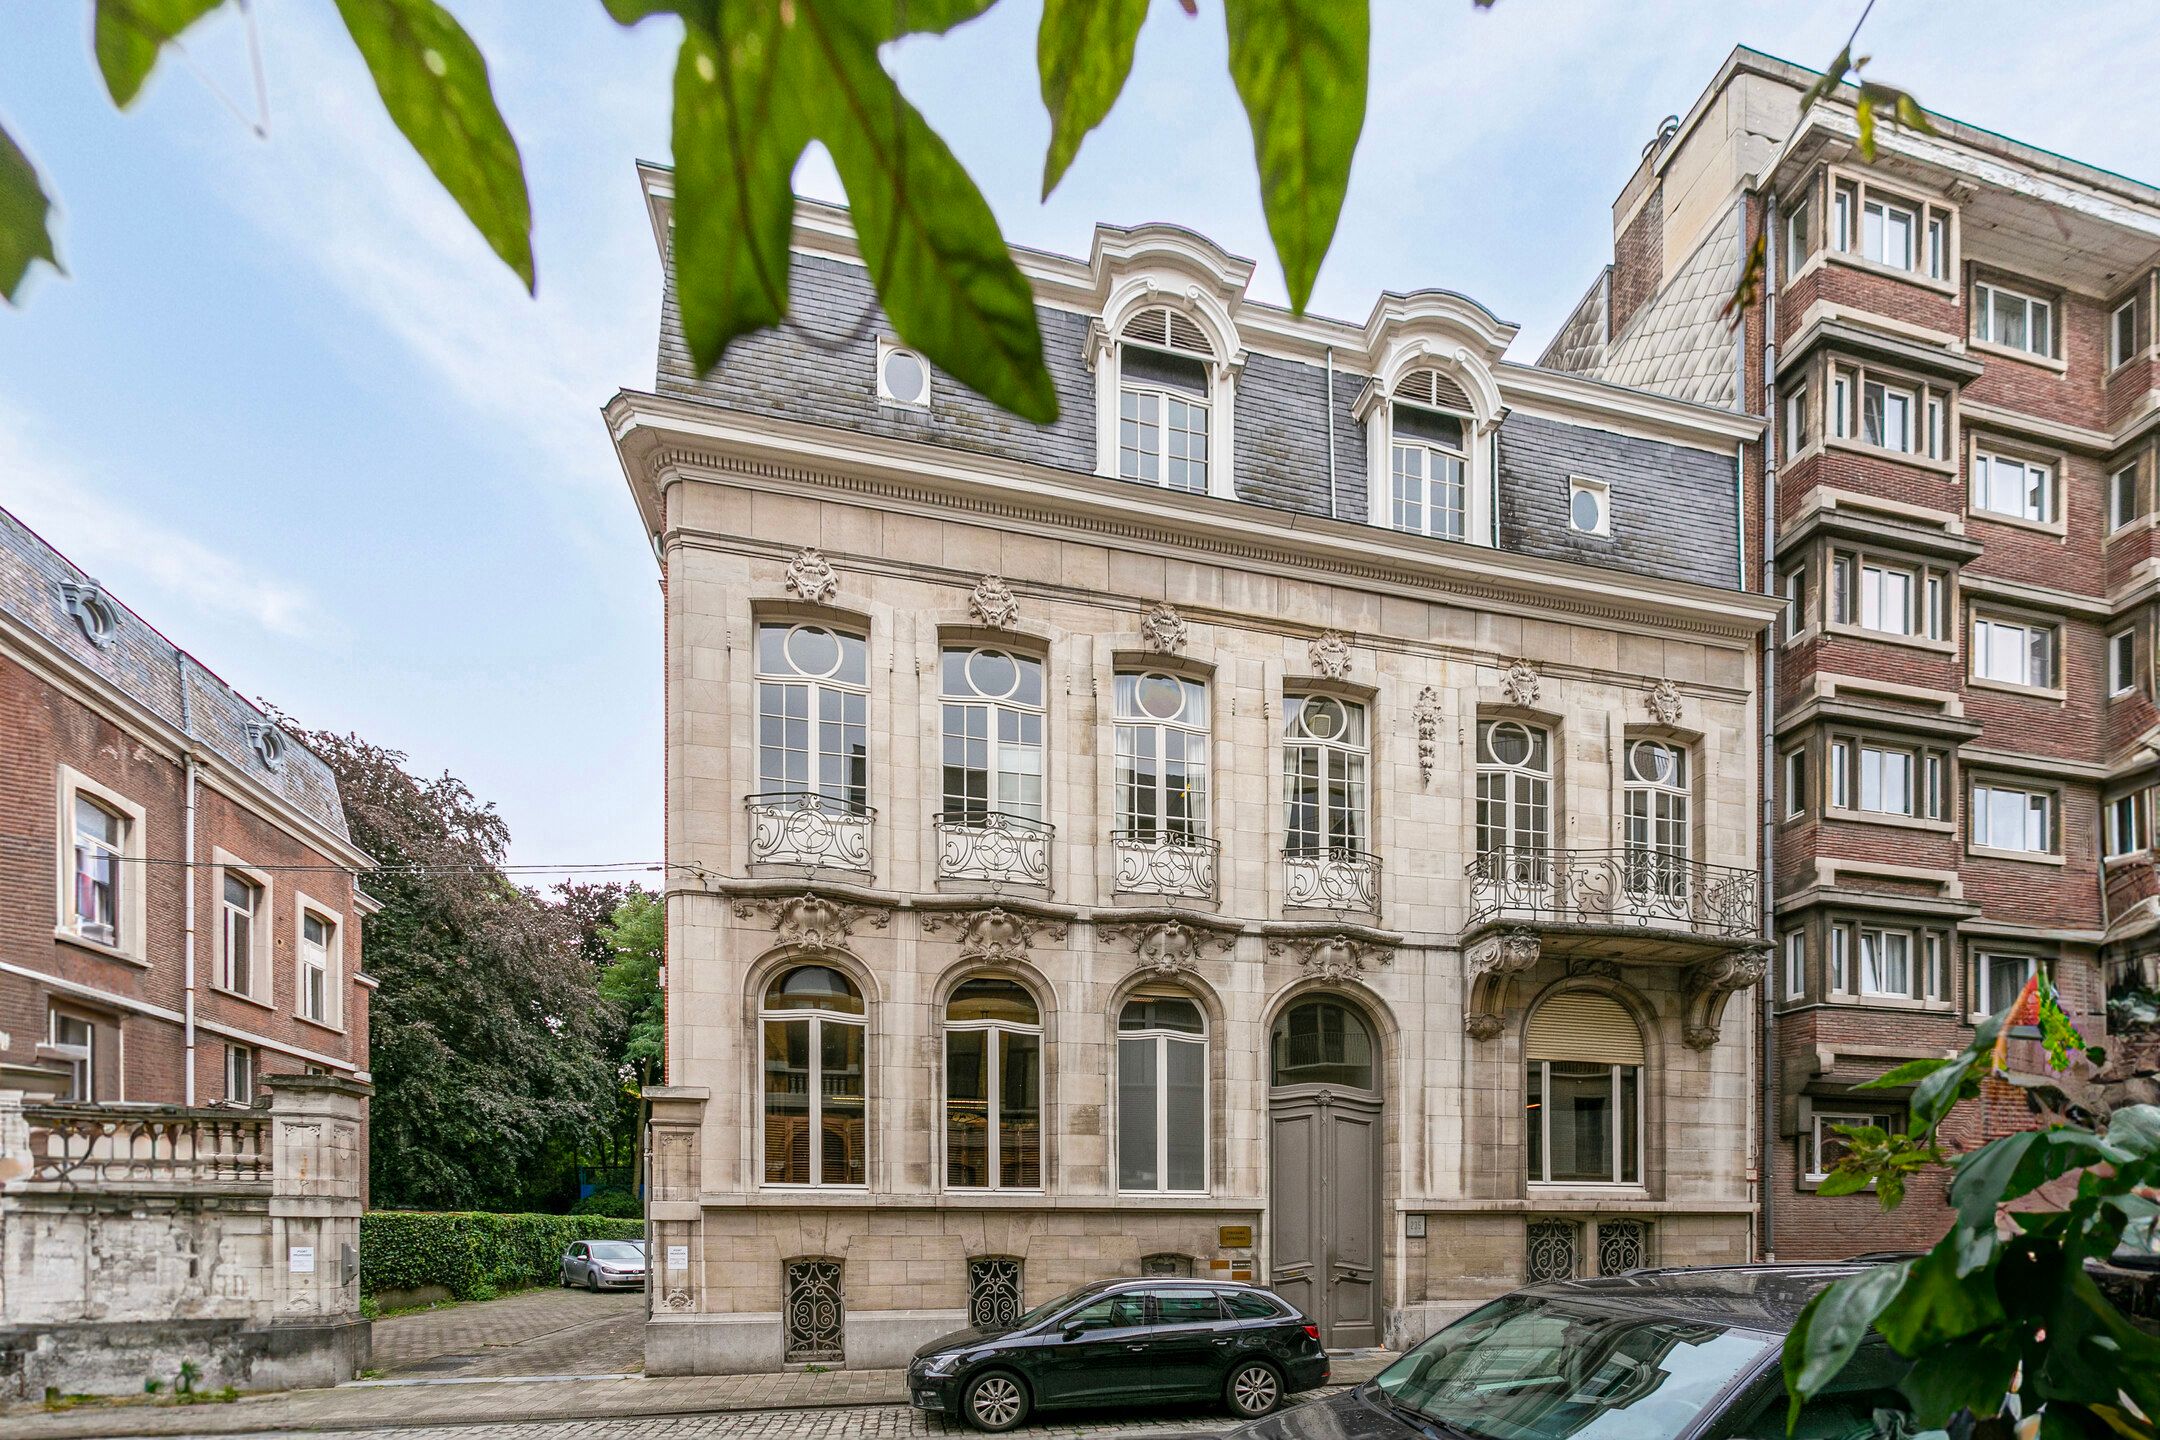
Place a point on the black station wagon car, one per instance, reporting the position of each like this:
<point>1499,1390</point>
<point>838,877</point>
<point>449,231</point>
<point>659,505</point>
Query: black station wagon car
<point>1120,1341</point>
<point>1651,1355</point>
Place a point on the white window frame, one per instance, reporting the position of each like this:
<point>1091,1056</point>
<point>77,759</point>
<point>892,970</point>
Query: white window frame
<point>1986,293</point>
<point>2123,825</point>
<point>2122,662</point>
<point>239,1075</point>
<point>1797,251</point>
<point>1821,1120</point>
<point>80,1058</point>
<point>1925,431</point>
<point>333,962</point>
<point>775,682</point>
<point>1580,485</point>
<point>1850,777</point>
<point>1126,731</point>
<point>1435,466</point>
<point>1876,946</point>
<point>1658,813</point>
<point>1840,979</point>
<point>2122,496</point>
<point>887,348</point>
<point>1339,766</point>
<point>1796,782</point>
<point>1137,389</point>
<point>2122,346</point>
<point>1004,762</point>
<point>1798,437</point>
<point>1614,1178</point>
<point>994,1126</point>
<point>1986,1002</point>
<point>1990,630</point>
<point>1527,784</point>
<point>1855,201</point>
<point>1986,462</point>
<point>814,1048</point>
<point>1163,1039</point>
<point>1795,965</point>
<point>2027,807</point>
<point>130,909</point>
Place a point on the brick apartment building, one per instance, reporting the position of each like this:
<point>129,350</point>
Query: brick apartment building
<point>1955,356</point>
<point>179,913</point>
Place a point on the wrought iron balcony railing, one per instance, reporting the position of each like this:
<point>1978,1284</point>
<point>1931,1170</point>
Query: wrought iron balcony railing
<point>993,846</point>
<point>1164,862</point>
<point>1331,877</point>
<point>802,827</point>
<point>1631,888</point>
<point>95,1146</point>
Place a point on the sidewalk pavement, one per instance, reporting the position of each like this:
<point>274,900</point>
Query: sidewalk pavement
<point>391,1404</point>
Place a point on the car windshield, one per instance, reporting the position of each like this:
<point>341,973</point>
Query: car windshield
<point>1048,1308</point>
<point>1540,1368</point>
<point>623,1251</point>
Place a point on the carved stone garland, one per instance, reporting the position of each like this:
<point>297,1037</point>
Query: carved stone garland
<point>1330,654</point>
<point>1428,733</point>
<point>1163,629</point>
<point>1169,947</point>
<point>810,921</point>
<point>1490,964</point>
<point>810,576</point>
<point>1663,702</point>
<point>994,604</point>
<point>1334,958</point>
<point>1710,983</point>
<point>994,936</point>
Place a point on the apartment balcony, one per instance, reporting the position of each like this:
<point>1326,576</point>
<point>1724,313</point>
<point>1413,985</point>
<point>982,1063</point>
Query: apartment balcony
<point>993,848</point>
<point>1166,863</point>
<point>1331,878</point>
<point>805,828</point>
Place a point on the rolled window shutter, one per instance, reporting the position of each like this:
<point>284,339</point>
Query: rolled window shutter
<point>1581,1025</point>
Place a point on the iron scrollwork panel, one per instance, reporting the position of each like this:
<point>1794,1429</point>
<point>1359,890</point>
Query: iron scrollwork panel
<point>994,847</point>
<point>993,1292</point>
<point>1159,864</point>
<point>1636,886</point>
<point>1551,1251</point>
<point>810,829</point>
<point>814,1313</point>
<point>1623,1245</point>
<point>1331,879</point>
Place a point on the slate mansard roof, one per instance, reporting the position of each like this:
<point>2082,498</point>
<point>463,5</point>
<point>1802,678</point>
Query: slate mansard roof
<point>35,591</point>
<point>1670,462</point>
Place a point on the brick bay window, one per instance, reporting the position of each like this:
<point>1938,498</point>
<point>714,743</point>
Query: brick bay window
<point>1889,230</point>
<point>1883,410</point>
<point>1164,401</point>
<point>1162,1060</point>
<point>1821,1143</point>
<point>1583,1113</point>
<point>1162,840</point>
<point>812,801</point>
<point>2125,497</point>
<point>993,1087</point>
<point>1327,858</point>
<point>1885,596</point>
<point>1871,777</point>
<point>2122,829</point>
<point>990,825</point>
<point>816,1091</point>
<point>1875,961</point>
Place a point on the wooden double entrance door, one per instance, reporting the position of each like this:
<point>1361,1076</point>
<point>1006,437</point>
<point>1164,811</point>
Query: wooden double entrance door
<point>1324,1209</point>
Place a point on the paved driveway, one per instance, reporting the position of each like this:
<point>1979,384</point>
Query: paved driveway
<point>535,1332</point>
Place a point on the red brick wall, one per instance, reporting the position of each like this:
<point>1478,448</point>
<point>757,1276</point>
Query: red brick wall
<point>1638,261</point>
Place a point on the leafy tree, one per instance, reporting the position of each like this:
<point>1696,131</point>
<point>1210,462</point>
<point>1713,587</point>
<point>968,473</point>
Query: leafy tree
<point>637,936</point>
<point>2000,1318</point>
<point>485,1032</point>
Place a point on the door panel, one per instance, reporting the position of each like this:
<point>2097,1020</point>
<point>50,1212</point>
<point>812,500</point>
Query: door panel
<point>1297,1264</point>
<point>1324,1192</point>
<point>1353,1188</point>
<point>1106,1358</point>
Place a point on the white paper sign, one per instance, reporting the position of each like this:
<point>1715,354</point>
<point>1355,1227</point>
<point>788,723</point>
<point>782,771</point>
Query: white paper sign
<point>678,1257</point>
<point>301,1259</point>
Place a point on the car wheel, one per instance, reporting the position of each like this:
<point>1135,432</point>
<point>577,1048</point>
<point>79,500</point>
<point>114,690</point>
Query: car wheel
<point>1253,1389</point>
<point>592,1282</point>
<point>995,1402</point>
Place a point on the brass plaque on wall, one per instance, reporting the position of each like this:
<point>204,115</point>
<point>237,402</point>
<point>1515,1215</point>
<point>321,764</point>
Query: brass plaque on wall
<point>1235,1237</point>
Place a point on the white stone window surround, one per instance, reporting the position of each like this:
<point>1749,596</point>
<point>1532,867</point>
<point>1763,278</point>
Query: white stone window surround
<point>239,1075</point>
<point>995,1032</point>
<point>1921,412</point>
<point>1879,780</point>
<point>1853,196</point>
<point>2007,318</point>
<point>2122,334</point>
<point>1984,459</point>
<point>2001,645</point>
<point>1375,409</point>
<point>1859,964</point>
<point>2123,826</point>
<point>333,1016</point>
<point>1994,808</point>
<point>262,931</point>
<point>71,1038</point>
<point>131,911</point>
<point>1815,1129</point>
<point>1155,287</point>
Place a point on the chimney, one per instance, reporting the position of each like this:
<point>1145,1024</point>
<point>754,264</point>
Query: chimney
<point>1639,235</point>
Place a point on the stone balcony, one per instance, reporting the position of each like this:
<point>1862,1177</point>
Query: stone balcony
<point>1331,878</point>
<point>994,848</point>
<point>1165,863</point>
<point>805,828</point>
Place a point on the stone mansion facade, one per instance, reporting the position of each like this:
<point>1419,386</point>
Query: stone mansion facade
<point>1293,818</point>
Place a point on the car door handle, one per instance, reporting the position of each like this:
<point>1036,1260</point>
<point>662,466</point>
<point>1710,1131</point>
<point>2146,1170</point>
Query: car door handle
<point>1226,1340</point>
<point>1136,1349</point>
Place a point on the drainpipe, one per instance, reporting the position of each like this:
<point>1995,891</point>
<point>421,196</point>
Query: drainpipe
<point>1331,439</point>
<point>1767,1154</point>
<point>187,873</point>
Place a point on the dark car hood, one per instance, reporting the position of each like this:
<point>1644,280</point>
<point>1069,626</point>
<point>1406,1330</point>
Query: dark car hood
<point>1339,1417</point>
<point>958,1340</point>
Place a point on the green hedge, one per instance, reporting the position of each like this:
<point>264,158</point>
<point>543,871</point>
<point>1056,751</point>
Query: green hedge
<point>473,1254</point>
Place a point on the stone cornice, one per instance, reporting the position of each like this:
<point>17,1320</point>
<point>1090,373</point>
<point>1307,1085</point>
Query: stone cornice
<point>660,440</point>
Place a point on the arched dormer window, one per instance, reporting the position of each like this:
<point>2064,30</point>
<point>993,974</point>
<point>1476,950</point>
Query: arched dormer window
<point>1164,401</point>
<point>1429,423</point>
<point>1431,409</point>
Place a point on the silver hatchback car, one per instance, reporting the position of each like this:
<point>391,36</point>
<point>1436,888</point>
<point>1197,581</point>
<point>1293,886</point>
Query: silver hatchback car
<point>605,1264</point>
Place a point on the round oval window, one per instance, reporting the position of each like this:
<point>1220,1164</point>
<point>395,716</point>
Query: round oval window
<point>992,673</point>
<point>1588,510</point>
<point>1510,743</point>
<point>905,377</point>
<point>813,651</point>
<point>1323,718</point>
<point>1161,697</point>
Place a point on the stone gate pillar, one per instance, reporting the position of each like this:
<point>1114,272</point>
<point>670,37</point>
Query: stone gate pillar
<point>318,1175</point>
<point>674,1181</point>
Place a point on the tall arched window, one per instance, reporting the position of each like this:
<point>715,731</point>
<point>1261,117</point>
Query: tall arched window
<point>1324,757</point>
<point>1162,1094</point>
<point>1162,756</point>
<point>1429,455</point>
<point>993,1087</point>
<point>813,715</point>
<point>993,735</point>
<point>1657,804</point>
<point>1321,1042</point>
<point>1163,401</point>
<point>816,1088</point>
<point>1514,797</point>
<point>1584,1094</point>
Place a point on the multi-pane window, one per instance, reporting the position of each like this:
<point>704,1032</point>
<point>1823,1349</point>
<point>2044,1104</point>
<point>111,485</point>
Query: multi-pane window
<point>2122,334</point>
<point>100,839</point>
<point>1905,417</point>
<point>1514,795</point>
<point>315,938</point>
<point>2013,652</point>
<point>2122,662</point>
<point>1887,598</point>
<point>1886,962</point>
<point>1999,979</point>
<point>1583,1100</point>
<point>2125,825</point>
<point>1657,816</point>
<point>2019,489</point>
<point>238,909</point>
<point>2004,818</point>
<point>2123,496</point>
<point>1428,466</point>
<point>2013,320</point>
<point>1798,436</point>
<point>816,1089</point>
<point>1163,418</point>
<point>993,1087</point>
<point>1824,1147</point>
<point>1881,779</point>
<point>813,715</point>
<point>1891,232</point>
<point>993,735</point>
<point>1796,965</point>
<point>1162,1094</point>
<point>1325,753</point>
<point>1162,756</point>
<point>1795,783</point>
<point>239,1075</point>
<point>73,1040</point>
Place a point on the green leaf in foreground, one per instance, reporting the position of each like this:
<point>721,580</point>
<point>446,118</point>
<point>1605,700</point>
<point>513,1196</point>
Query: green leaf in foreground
<point>24,210</point>
<point>1300,68</point>
<point>1083,53</point>
<point>1831,1328</point>
<point>434,82</point>
<point>128,34</point>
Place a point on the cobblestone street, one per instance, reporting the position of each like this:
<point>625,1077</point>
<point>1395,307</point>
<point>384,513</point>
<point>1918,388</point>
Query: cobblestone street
<point>537,1332</point>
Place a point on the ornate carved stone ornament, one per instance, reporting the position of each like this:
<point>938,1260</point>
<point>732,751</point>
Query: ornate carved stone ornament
<point>1662,700</point>
<point>1710,983</point>
<point>994,936</point>
<point>994,604</point>
<point>1519,682</point>
<point>1163,629</point>
<point>1488,966</point>
<point>810,576</point>
<point>1593,970</point>
<point>810,921</point>
<point>1330,654</point>
<point>1333,958</point>
<point>1170,947</point>
<point>1427,713</point>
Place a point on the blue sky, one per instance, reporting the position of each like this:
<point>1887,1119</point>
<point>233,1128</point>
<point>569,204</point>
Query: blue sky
<point>290,408</point>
